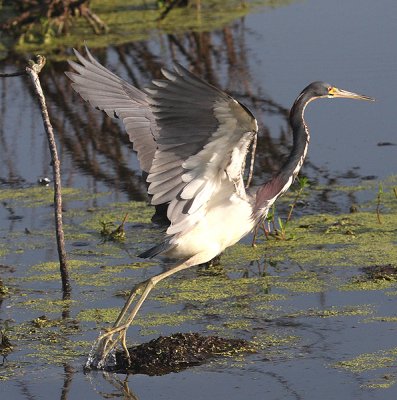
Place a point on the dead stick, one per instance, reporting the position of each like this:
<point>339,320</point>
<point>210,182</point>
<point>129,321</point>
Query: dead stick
<point>33,71</point>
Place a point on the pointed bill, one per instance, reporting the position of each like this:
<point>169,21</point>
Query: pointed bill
<point>335,92</point>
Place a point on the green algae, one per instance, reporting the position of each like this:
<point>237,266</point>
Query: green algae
<point>47,305</point>
<point>367,364</point>
<point>368,285</point>
<point>41,278</point>
<point>279,339</point>
<point>38,196</point>
<point>377,277</point>
<point>81,272</point>
<point>149,320</point>
<point>204,289</point>
<point>384,382</point>
<point>3,250</point>
<point>11,370</point>
<point>332,312</point>
<point>320,246</point>
<point>138,212</point>
<point>102,315</point>
<point>303,282</point>
<point>137,230</point>
<point>370,361</point>
<point>126,267</point>
<point>47,339</point>
<point>235,303</point>
<point>382,319</point>
<point>101,279</point>
<point>326,240</point>
<point>4,290</point>
<point>59,353</point>
<point>52,266</point>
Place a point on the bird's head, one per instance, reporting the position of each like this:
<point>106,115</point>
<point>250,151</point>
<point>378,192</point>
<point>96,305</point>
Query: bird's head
<point>323,89</point>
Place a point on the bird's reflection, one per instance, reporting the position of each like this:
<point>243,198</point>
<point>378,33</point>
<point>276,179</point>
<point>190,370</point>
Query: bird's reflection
<point>120,385</point>
<point>116,386</point>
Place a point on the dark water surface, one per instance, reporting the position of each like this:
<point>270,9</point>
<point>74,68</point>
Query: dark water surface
<point>272,55</point>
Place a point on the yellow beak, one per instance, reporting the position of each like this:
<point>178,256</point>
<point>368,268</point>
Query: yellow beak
<point>335,92</point>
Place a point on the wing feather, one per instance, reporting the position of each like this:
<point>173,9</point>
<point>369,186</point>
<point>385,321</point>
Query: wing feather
<point>191,138</point>
<point>107,92</point>
<point>201,127</point>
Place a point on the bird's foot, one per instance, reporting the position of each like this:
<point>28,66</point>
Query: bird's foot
<point>103,353</point>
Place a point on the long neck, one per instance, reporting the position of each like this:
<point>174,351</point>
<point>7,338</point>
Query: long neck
<point>279,184</point>
<point>301,138</point>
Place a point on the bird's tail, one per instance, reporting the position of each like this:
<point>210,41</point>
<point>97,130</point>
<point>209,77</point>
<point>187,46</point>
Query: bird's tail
<point>156,250</point>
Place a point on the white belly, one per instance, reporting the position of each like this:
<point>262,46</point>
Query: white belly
<point>224,225</point>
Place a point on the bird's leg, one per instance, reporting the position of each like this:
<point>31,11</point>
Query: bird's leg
<point>105,343</point>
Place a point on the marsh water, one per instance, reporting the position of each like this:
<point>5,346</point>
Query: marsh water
<point>323,322</point>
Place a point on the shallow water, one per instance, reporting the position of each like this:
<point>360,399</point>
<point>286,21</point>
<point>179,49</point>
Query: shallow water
<point>305,329</point>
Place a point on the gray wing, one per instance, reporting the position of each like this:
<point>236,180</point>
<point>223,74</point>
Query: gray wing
<point>107,92</point>
<point>203,140</point>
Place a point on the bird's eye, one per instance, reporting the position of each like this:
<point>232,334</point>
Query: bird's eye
<point>331,91</point>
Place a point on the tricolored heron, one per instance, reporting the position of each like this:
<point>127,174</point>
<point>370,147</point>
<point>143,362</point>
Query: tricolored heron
<point>191,140</point>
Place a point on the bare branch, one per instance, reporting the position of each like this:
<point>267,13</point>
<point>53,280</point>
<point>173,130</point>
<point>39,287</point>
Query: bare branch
<point>33,71</point>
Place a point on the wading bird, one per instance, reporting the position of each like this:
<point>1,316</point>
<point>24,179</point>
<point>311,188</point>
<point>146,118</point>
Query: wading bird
<point>191,140</point>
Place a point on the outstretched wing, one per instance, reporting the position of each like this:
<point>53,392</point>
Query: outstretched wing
<point>190,137</point>
<point>204,135</point>
<point>107,92</point>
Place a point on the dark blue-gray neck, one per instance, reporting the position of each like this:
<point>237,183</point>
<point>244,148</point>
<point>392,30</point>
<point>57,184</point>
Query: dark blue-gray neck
<point>279,184</point>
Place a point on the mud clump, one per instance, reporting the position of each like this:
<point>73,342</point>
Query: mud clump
<point>177,352</point>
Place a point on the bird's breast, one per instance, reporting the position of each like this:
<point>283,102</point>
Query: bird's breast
<point>223,225</point>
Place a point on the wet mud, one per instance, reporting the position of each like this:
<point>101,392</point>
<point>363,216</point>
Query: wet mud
<point>177,352</point>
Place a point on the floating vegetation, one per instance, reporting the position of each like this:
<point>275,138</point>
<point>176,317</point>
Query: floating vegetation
<point>375,277</point>
<point>370,361</point>
<point>392,319</point>
<point>332,312</point>
<point>59,353</point>
<point>5,344</point>
<point>303,282</point>
<point>112,233</point>
<point>4,290</point>
<point>381,272</point>
<point>384,382</point>
<point>102,315</point>
<point>378,362</point>
<point>251,294</point>
<point>47,305</point>
<point>39,196</point>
